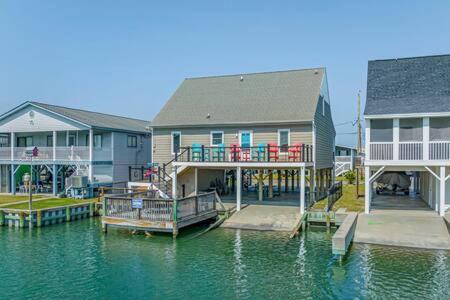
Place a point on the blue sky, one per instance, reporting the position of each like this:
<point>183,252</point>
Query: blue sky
<point>128,57</point>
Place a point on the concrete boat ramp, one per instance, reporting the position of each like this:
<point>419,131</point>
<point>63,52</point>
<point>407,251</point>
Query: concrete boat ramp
<point>264,217</point>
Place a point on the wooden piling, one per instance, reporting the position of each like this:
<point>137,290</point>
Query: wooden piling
<point>2,218</point>
<point>68,214</point>
<point>39,218</point>
<point>21,219</point>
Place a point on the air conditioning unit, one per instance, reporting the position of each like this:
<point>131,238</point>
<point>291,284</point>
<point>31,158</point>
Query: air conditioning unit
<point>77,181</point>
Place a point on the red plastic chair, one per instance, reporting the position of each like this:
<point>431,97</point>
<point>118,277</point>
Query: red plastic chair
<point>273,151</point>
<point>295,152</point>
<point>235,152</point>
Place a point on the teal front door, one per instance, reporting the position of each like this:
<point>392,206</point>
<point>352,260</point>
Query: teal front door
<point>245,139</point>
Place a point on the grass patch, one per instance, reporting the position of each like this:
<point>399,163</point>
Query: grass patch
<point>48,203</point>
<point>348,199</point>
<point>5,199</point>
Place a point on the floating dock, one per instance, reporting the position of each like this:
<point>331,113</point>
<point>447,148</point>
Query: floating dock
<point>141,211</point>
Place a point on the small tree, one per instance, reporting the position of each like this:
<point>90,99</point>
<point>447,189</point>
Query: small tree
<point>350,176</point>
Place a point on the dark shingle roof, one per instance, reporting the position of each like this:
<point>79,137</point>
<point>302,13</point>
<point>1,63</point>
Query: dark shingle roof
<point>98,120</point>
<point>257,98</point>
<point>408,85</point>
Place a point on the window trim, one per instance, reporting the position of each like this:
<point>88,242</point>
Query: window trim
<point>135,138</point>
<point>171,141</point>
<point>211,137</point>
<point>101,141</point>
<point>288,130</point>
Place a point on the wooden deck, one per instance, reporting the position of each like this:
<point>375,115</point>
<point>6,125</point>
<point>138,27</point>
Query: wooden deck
<point>137,212</point>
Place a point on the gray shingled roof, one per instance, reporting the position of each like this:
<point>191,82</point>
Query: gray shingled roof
<point>257,98</point>
<point>408,85</point>
<point>97,120</point>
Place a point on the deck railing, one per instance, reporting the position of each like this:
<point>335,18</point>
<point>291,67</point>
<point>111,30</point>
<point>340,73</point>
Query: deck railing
<point>410,151</point>
<point>156,209</point>
<point>382,151</point>
<point>72,153</point>
<point>439,150</point>
<point>262,153</point>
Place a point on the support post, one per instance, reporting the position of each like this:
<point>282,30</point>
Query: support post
<point>279,181</point>
<point>12,142</point>
<point>302,190</point>
<point>174,182</point>
<point>196,180</point>
<point>55,180</point>
<point>260,185</point>
<point>368,190</point>
<point>426,138</point>
<point>13,180</point>
<point>396,138</point>
<point>54,139</point>
<point>442,193</point>
<point>286,181</point>
<point>293,180</point>
<point>270,184</point>
<point>238,188</point>
<point>91,154</point>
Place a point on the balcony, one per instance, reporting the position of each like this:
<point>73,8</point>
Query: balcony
<point>410,151</point>
<point>299,153</point>
<point>60,154</point>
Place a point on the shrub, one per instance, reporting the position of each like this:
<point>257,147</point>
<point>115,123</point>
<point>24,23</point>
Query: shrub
<point>350,176</point>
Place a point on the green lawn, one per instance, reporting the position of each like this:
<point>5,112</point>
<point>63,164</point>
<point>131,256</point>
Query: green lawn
<point>48,203</point>
<point>5,199</point>
<point>348,199</point>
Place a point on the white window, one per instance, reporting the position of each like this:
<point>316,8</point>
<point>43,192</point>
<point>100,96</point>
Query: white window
<point>440,129</point>
<point>176,142</point>
<point>216,138</point>
<point>284,139</point>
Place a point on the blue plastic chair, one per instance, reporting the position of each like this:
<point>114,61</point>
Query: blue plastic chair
<point>196,152</point>
<point>260,152</point>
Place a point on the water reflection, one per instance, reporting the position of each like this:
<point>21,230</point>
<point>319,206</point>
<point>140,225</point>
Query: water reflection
<point>239,266</point>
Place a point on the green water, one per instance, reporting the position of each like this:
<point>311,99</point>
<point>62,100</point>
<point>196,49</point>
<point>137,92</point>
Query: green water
<point>76,260</point>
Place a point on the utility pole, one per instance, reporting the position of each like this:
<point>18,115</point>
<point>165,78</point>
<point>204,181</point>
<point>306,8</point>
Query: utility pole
<point>358,144</point>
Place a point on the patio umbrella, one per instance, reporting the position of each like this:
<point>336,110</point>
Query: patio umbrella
<point>398,178</point>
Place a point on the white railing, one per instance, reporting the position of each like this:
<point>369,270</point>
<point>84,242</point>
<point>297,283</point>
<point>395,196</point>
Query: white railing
<point>343,164</point>
<point>5,153</point>
<point>45,153</point>
<point>73,153</point>
<point>410,150</point>
<point>439,150</point>
<point>382,151</point>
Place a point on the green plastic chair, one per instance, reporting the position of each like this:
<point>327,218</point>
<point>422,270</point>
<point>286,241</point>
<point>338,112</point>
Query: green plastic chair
<point>218,152</point>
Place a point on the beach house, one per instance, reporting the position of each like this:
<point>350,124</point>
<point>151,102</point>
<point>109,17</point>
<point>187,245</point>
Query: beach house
<point>68,142</point>
<point>407,119</point>
<point>252,137</point>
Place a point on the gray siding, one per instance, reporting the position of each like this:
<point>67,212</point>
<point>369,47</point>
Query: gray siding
<point>324,131</point>
<point>261,134</point>
<point>125,156</point>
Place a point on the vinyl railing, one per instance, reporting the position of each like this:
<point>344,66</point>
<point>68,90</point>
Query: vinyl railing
<point>382,151</point>
<point>410,150</point>
<point>439,150</point>
<point>72,153</point>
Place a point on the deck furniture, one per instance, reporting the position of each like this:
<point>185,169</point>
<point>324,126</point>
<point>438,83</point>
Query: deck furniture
<point>218,153</point>
<point>294,152</point>
<point>259,153</point>
<point>199,152</point>
<point>246,154</point>
<point>235,152</point>
<point>273,151</point>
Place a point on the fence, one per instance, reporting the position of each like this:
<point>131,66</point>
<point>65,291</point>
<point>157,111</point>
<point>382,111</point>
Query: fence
<point>334,193</point>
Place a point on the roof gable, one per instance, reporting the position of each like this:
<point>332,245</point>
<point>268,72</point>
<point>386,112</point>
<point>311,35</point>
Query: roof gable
<point>287,96</point>
<point>408,86</point>
<point>87,119</point>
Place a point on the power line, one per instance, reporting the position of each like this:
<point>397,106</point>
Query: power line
<point>342,133</point>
